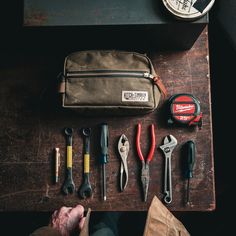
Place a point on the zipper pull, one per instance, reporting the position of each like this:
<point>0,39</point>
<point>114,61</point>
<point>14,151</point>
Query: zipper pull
<point>157,80</point>
<point>62,83</point>
<point>61,76</point>
<point>148,75</point>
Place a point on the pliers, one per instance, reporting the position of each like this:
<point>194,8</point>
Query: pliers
<point>123,149</point>
<point>145,165</point>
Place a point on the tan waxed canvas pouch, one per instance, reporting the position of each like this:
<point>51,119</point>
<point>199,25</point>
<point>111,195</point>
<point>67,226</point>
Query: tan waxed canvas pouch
<point>110,82</point>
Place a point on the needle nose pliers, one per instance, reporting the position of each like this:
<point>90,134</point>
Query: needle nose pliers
<point>145,165</point>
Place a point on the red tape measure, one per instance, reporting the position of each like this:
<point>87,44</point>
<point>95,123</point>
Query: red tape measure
<point>185,109</point>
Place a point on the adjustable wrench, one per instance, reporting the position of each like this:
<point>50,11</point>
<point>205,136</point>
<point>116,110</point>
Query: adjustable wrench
<point>170,143</point>
<point>69,186</point>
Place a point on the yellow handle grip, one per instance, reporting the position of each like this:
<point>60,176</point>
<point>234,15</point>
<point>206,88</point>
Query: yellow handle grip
<point>86,163</point>
<point>69,157</point>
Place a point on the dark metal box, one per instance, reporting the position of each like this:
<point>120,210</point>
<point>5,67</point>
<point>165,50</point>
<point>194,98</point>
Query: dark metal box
<point>111,24</point>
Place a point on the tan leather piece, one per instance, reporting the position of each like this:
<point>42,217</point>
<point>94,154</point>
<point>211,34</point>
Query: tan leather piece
<point>85,229</point>
<point>62,87</point>
<point>161,86</point>
<point>161,222</point>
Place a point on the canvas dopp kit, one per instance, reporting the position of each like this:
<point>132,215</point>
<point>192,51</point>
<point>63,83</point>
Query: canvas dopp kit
<point>110,82</point>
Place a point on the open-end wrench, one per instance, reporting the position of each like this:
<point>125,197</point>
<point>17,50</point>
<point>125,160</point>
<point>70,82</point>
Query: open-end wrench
<point>86,189</point>
<point>170,143</point>
<point>68,186</point>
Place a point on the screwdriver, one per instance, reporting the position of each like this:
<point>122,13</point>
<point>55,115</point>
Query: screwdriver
<point>104,156</point>
<point>190,150</point>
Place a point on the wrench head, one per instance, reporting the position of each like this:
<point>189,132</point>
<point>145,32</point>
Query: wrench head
<point>167,198</point>
<point>85,191</point>
<point>169,143</point>
<point>86,132</point>
<point>171,140</point>
<point>68,187</point>
<point>68,131</point>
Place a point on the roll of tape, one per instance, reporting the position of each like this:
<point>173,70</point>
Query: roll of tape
<point>188,9</point>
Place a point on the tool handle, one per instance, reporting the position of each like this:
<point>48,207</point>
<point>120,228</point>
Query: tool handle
<point>153,145</point>
<point>190,158</point>
<point>86,163</point>
<point>69,157</point>
<point>152,148</point>
<point>104,144</point>
<point>138,142</point>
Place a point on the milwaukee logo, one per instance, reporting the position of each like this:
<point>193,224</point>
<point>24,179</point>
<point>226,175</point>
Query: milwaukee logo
<point>179,108</point>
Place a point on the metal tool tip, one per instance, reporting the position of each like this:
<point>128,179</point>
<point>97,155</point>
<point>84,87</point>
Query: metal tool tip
<point>145,197</point>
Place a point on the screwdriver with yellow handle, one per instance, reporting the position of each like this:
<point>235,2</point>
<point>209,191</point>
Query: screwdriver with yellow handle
<point>190,152</point>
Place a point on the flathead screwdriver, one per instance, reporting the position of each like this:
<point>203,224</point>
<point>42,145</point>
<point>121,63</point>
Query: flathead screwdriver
<point>104,156</point>
<point>190,151</point>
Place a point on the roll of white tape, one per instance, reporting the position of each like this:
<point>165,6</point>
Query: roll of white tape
<point>188,9</point>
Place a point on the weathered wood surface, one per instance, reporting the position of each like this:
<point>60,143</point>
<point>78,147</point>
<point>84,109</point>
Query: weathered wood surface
<point>31,126</point>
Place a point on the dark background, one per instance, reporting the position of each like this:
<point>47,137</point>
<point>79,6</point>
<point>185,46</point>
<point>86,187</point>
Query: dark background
<point>222,67</point>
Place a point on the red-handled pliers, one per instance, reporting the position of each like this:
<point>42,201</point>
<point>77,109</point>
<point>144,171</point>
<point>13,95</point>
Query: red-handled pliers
<point>145,165</point>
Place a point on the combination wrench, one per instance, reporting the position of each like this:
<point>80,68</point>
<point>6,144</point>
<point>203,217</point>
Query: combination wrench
<point>68,186</point>
<point>86,189</point>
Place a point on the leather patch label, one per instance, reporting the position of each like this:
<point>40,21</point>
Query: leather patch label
<point>134,96</point>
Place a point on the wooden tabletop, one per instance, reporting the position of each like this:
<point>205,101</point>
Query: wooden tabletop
<point>31,125</point>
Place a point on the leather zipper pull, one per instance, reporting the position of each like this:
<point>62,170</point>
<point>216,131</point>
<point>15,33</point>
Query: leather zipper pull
<point>62,83</point>
<point>157,80</point>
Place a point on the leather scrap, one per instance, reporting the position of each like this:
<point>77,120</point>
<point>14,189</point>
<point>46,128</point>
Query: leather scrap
<point>85,229</point>
<point>161,222</point>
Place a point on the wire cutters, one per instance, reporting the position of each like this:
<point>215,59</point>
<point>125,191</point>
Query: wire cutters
<point>145,165</point>
<point>123,149</point>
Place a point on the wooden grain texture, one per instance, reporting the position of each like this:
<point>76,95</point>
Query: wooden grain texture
<point>31,127</point>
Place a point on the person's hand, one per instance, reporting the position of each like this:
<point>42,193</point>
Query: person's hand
<point>68,219</point>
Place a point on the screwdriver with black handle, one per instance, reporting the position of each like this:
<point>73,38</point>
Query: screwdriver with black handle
<point>190,151</point>
<point>104,156</point>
